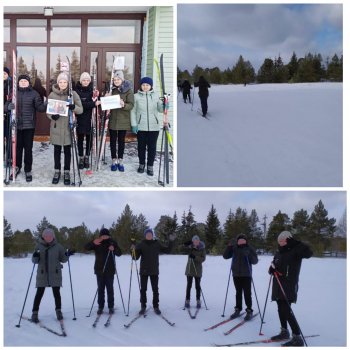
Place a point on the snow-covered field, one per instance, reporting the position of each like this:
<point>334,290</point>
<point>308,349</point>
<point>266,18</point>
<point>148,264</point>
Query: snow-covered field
<point>43,170</point>
<point>321,307</point>
<point>263,135</point>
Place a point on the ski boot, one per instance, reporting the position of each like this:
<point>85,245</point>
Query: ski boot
<point>187,304</point>
<point>100,311</point>
<point>249,315</point>
<point>141,168</point>
<point>149,170</point>
<point>156,310</point>
<point>111,310</point>
<point>29,177</point>
<point>66,178</point>
<point>199,305</point>
<point>143,310</point>
<point>284,334</point>
<point>34,317</point>
<point>235,314</point>
<point>59,314</point>
<point>296,340</point>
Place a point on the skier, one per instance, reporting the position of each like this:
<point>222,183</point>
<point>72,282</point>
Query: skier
<point>243,256</point>
<point>49,255</point>
<point>186,90</point>
<point>286,264</point>
<point>203,93</point>
<point>146,123</point>
<point>28,102</point>
<point>59,128</point>
<point>105,249</point>
<point>149,250</point>
<point>119,120</point>
<point>84,89</point>
<point>194,268</point>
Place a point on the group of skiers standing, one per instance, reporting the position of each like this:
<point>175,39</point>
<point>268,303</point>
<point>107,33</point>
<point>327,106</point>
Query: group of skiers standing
<point>284,269</point>
<point>139,113</point>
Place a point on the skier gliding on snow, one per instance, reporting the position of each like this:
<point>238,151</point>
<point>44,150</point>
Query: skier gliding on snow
<point>203,93</point>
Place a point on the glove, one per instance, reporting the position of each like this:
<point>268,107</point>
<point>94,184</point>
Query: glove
<point>187,243</point>
<point>111,247</point>
<point>36,254</point>
<point>10,106</point>
<point>191,256</point>
<point>272,269</point>
<point>71,106</point>
<point>70,252</point>
<point>55,117</point>
<point>134,129</point>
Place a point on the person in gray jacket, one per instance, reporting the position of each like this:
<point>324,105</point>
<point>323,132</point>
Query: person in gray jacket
<point>49,255</point>
<point>60,135</point>
<point>146,123</point>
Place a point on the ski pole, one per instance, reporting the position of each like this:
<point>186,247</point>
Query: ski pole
<point>287,301</point>
<point>137,270</point>
<point>132,262</point>
<point>104,267</point>
<point>25,299</point>
<point>228,283</point>
<point>71,286</point>
<point>251,276</point>
<point>195,270</point>
<point>263,316</point>
<point>194,89</point>
<point>121,295</point>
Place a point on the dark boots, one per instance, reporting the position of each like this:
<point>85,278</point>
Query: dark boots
<point>296,340</point>
<point>235,314</point>
<point>284,334</point>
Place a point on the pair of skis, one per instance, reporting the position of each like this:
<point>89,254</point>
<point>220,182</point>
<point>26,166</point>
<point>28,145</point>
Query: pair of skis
<point>106,324</point>
<point>192,316</point>
<point>43,326</point>
<point>138,316</point>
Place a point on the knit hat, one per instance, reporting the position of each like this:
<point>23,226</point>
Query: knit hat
<point>62,76</point>
<point>284,235</point>
<point>148,230</point>
<point>241,236</point>
<point>7,70</point>
<point>104,232</point>
<point>146,80</point>
<point>119,74</point>
<point>48,232</point>
<point>195,238</point>
<point>84,76</point>
<point>25,77</point>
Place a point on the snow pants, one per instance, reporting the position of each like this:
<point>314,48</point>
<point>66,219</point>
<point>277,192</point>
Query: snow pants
<point>285,315</point>
<point>197,281</point>
<point>243,285</point>
<point>39,294</point>
<point>67,156</point>
<point>105,282</point>
<point>204,104</point>
<point>81,144</point>
<point>154,284</point>
<point>147,140</point>
<point>24,141</point>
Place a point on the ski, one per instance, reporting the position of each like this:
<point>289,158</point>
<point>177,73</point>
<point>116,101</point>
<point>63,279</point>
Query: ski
<point>108,322</point>
<point>63,330</point>
<point>239,325</point>
<point>193,316</point>
<point>261,341</point>
<point>219,324</point>
<point>96,320</point>
<point>166,320</point>
<point>135,319</point>
<point>41,325</point>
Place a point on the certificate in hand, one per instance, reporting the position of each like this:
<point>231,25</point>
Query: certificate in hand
<point>110,102</point>
<point>57,107</point>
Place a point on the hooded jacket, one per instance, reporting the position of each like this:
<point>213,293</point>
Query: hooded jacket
<point>194,266</point>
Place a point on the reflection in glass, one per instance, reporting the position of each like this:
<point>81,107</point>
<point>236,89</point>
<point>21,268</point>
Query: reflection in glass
<point>6,30</point>
<point>31,60</point>
<point>5,58</point>
<point>93,63</point>
<point>128,69</point>
<point>31,30</point>
<point>58,54</point>
<point>114,31</point>
<point>65,30</point>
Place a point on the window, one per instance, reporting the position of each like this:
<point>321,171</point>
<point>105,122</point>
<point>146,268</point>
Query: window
<point>31,30</point>
<point>6,30</point>
<point>65,31</point>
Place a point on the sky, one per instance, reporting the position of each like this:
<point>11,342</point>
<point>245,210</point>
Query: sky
<point>219,33</point>
<point>25,209</point>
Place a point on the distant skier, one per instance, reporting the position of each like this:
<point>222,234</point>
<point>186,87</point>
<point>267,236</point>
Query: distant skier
<point>243,257</point>
<point>203,93</point>
<point>287,263</point>
<point>105,249</point>
<point>149,250</point>
<point>194,268</point>
<point>49,255</point>
<point>186,90</point>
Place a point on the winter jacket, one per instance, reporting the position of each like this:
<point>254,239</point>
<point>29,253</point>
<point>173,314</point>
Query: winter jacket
<point>186,86</point>
<point>101,253</point>
<point>120,117</point>
<point>59,129</point>
<point>49,272</point>
<point>7,90</point>
<point>145,115</point>
<point>28,102</point>
<point>84,119</point>
<point>243,257</point>
<point>203,86</point>
<point>149,251</point>
<point>287,262</point>
<point>194,266</point>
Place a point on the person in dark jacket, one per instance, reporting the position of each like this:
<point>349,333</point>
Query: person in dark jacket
<point>28,103</point>
<point>38,87</point>
<point>285,267</point>
<point>105,250</point>
<point>196,257</point>
<point>203,93</point>
<point>243,257</point>
<point>149,250</point>
<point>49,255</point>
<point>186,91</point>
<point>84,89</point>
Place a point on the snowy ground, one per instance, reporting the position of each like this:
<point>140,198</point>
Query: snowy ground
<point>263,135</point>
<point>321,307</point>
<point>43,170</point>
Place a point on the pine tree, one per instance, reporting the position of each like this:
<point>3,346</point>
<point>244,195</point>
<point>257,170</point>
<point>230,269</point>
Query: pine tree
<point>280,222</point>
<point>300,223</point>
<point>43,224</point>
<point>293,67</point>
<point>8,234</point>
<point>212,229</point>
<point>229,227</point>
<point>22,243</point>
<point>255,231</point>
<point>266,71</point>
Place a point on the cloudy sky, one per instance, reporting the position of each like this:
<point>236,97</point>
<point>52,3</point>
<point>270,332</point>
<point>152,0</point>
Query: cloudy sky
<point>25,209</point>
<point>216,34</point>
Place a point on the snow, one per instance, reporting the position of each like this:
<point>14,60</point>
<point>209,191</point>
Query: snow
<point>321,306</point>
<point>43,170</point>
<point>263,135</point>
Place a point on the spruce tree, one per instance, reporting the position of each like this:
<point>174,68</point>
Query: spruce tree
<point>212,229</point>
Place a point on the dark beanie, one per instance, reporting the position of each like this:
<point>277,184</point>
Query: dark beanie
<point>148,230</point>
<point>104,232</point>
<point>24,76</point>
<point>241,235</point>
<point>146,80</point>
<point>7,70</point>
